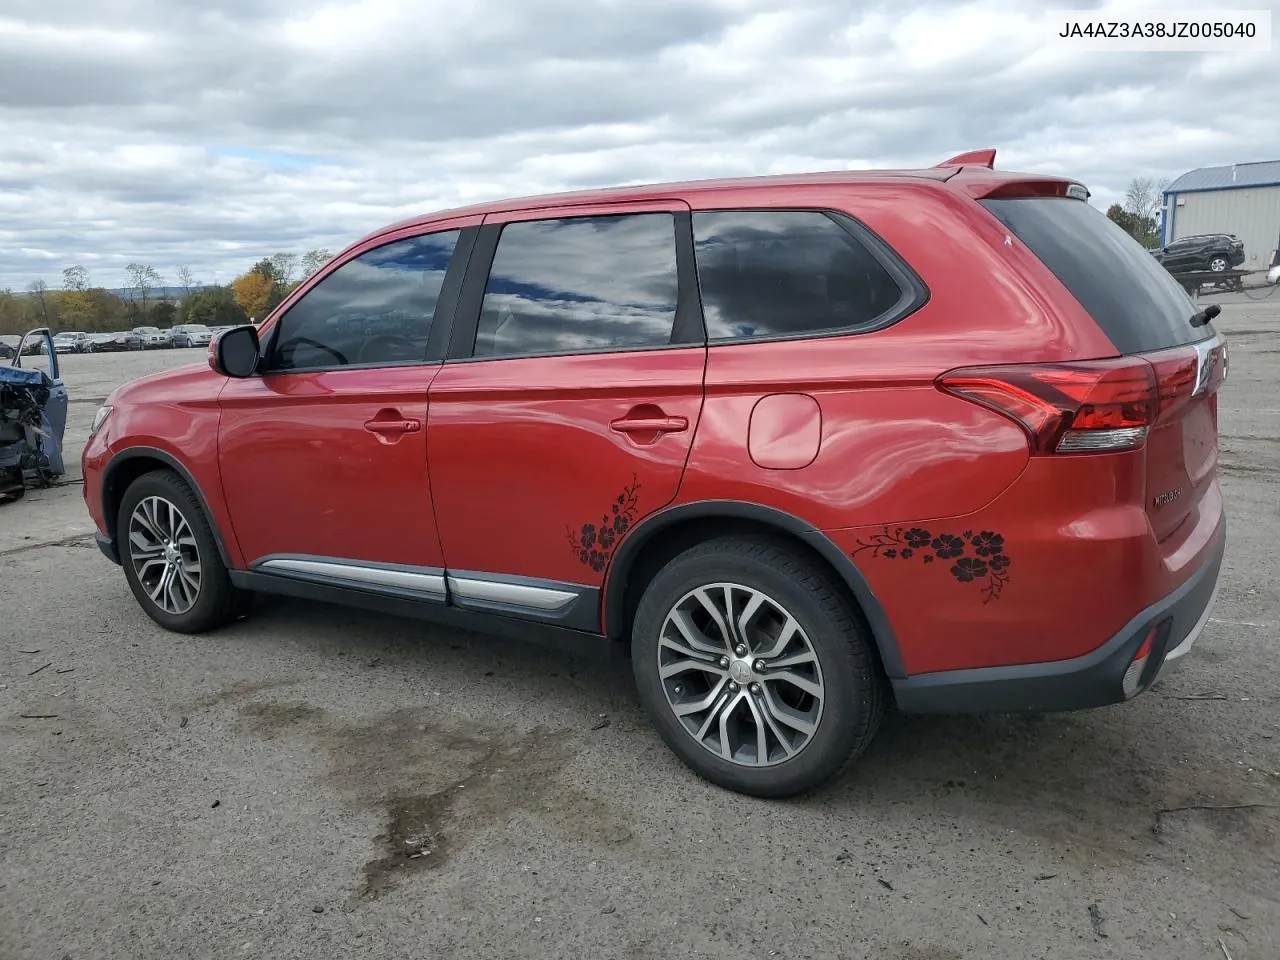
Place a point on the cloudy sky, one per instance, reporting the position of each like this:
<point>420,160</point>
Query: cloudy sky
<point>213,132</point>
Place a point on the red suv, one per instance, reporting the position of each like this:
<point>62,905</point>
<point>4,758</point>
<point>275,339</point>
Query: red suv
<point>805,445</point>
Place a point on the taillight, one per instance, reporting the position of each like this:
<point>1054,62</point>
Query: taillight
<point>1086,407</point>
<point>1094,406</point>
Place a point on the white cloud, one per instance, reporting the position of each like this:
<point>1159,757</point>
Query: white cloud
<point>214,132</point>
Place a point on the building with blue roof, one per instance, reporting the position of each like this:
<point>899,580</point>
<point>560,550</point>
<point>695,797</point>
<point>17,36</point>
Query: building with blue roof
<point>1242,199</point>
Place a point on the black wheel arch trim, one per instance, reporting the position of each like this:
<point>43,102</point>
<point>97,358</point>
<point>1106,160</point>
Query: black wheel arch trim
<point>169,460</point>
<point>630,548</point>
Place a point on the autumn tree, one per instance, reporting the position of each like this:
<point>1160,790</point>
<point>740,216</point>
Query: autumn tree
<point>185,279</point>
<point>254,292</point>
<point>12,315</point>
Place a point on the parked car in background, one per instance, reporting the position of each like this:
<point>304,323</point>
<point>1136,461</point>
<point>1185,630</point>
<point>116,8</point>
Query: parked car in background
<point>153,338</point>
<point>1212,252</point>
<point>72,342</point>
<point>191,335</point>
<point>801,445</point>
<point>8,347</point>
<point>115,342</point>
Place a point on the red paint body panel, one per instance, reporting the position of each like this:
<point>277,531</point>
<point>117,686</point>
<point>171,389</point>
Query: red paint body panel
<point>302,474</point>
<point>1082,561</point>
<point>176,412</point>
<point>523,456</point>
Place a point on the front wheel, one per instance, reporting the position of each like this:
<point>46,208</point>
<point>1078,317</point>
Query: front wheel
<point>171,558</point>
<point>1218,264</point>
<point>752,664</point>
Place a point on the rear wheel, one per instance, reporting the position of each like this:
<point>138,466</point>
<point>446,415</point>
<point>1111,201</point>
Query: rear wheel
<point>752,665</point>
<point>1218,264</point>
<point>171,558</point>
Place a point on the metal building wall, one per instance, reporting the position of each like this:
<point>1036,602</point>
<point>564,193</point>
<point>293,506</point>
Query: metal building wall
<point>1251,213</point>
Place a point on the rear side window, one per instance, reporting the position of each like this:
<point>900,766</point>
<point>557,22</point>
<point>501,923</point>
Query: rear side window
<point>1129,294</point>
<point>787,273</point>
<point>376,309</point>
<point>580,284</point>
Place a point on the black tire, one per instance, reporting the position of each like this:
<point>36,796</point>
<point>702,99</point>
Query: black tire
<point>217,601</point>
<point>854,689</point>
<point>1218,264</point>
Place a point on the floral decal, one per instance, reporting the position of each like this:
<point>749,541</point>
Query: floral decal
<point>593,543</point>
<point>971,557</point>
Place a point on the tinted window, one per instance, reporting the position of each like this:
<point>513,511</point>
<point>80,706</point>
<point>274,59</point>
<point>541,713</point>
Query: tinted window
<point>374,309</point>
<point>578,284</point>
<point>1130,295</point>
<point>785,273</point>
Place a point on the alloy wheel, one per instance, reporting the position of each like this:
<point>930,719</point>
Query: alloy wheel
<point>1218,264</point>
<point>164,554</point>
<point>740,674</point>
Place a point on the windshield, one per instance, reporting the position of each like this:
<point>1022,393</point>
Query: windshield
<point>1134,299</point>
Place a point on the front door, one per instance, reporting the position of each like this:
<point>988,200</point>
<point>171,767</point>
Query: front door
<point>568,407</point>
<point>324,456</point>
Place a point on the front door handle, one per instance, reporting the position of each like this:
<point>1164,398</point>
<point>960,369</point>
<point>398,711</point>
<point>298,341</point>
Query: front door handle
<point>650,424</point>
<point>389,425</point>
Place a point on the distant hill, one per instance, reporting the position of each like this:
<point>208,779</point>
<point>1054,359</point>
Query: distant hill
<point>158,293</point>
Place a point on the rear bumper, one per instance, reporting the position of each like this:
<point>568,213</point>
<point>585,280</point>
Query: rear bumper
<point>1093,680</point>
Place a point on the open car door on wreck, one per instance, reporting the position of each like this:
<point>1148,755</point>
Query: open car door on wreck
<point>33,416</point>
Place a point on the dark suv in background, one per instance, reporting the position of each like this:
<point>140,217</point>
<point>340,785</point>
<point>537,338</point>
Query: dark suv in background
<point>1214,252</point>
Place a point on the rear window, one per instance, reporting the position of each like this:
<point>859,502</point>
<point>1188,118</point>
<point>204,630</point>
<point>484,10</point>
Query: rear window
<point>1134,299</point>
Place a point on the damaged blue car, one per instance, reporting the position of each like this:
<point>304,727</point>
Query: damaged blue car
<point>33,418</point>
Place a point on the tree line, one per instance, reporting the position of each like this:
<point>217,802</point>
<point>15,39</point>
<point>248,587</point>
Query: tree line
<point>148,301</point>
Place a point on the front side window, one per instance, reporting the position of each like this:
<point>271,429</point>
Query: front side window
<point>786,273</point>
<point>580,284</point>
<point>375,309</point>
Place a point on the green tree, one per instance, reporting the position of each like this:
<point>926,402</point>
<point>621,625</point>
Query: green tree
<point>215,307</point>
<point>162,315</point>
<point>1142,229</point>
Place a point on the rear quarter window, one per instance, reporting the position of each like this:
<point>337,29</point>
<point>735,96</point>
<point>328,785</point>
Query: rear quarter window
<point>1129,294</point>
<point>771,274</point>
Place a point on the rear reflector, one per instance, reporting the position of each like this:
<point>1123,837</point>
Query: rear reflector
<point>1092,406</point>
<point>1133,676</point>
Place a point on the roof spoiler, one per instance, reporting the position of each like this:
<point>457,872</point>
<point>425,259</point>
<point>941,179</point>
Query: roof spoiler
<point>982,158</point>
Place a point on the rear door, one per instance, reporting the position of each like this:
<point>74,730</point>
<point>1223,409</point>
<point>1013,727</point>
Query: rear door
<point>1143,311</point>
<point>566,411</point>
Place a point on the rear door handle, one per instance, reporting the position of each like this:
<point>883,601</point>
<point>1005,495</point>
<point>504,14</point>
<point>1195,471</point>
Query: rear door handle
<point>650,424</point>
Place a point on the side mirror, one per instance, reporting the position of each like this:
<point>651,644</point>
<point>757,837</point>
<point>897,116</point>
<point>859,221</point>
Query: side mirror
<point>235,352</point>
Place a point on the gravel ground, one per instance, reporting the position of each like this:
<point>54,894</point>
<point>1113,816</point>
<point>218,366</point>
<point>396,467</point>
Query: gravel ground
<point>244,794</point>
